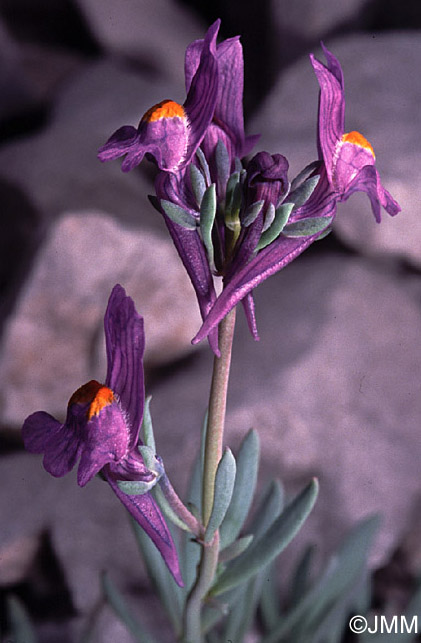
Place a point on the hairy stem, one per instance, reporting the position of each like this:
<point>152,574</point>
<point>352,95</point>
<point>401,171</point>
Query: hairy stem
<point>212,456</point>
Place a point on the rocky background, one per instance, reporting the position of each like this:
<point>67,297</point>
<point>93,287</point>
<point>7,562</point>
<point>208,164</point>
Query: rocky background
<point>334,384</point>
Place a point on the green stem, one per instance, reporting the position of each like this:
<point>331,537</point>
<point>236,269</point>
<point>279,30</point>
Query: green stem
<point>212,456</point>
<point>216,413</point>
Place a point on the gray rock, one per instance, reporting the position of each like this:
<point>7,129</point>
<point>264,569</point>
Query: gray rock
<point>54,341</point>
<point>383,91</point>
<point>308,19</point>
<point>89,529</point>
<point>58,167</point>
<point>153,33</point>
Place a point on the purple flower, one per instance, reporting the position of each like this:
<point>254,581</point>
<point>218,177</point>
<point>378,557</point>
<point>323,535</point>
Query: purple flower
<point>306,223</point>
<point>349,157</point>
<point>102,426</point>
<point>169,132</point>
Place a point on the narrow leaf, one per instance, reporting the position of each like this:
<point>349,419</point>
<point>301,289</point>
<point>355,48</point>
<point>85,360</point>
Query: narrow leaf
<point>223,163</point>
<point>242,613</point>
<point>179,215</point>
<point>269,606</point>
<point>269,217</point>
<point>21,627</point>
<point>304,174</point>
<point>229,194</point>
<point>251,213</point>
<point>304,191</point>
<point>204,165</point>
<point>147,428</point>
<point>301,577</point>
<point>190,549</point>
<point>270,506</point>
<point>224,486</point>
<point>198,183</point>
<point>342,572</point>
<point>281,217</point>
<point>306,227</point>
<point>170,594</point>
<point>271,544</point>
<point>207,218</point>
<point>136,487</point>
<point>167,509</point>
<point>120,607</point>
<point>235,549</point>
<point>245,484</point>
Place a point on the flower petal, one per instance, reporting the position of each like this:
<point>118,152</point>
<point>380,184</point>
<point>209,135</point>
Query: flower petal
<point>331,106</point>
<point>105,440</point>
<point>120,143</point>
<point>42,433</point>
<point>249,309</point>
<point>125,343</point>
<point>228,121</point>
<point>202,94</point>
<point>368,181</point>
<point>189,246</point>
<point>145,511</point>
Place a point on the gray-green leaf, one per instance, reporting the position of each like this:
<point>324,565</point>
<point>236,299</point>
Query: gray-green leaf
<point>120,607</point>
<point>224,486</point>
<point>304,174</point>
<point>198,183</point>
<point>251,213</point>
<point>271,544</point>
<point>245,484</point>
<point>282,214</point>
<point>179,215</point>
<point>223,163</point>
<point>207,218</point>
<point>304,191</point>
<point>147,428</point>
<point>20,622</point>
<point>307,227</point>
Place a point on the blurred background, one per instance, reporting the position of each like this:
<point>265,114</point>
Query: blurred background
<point>332,386</point>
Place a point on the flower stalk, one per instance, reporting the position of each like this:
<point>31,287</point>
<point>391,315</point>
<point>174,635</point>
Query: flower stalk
<point>212,456</point>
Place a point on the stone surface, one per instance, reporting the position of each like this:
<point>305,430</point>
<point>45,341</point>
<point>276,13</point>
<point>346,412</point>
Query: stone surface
<point>54,341</point>
<point>383,91</point>
<point>58,167</point>
<point>154,33</point>
<point>308,19</point>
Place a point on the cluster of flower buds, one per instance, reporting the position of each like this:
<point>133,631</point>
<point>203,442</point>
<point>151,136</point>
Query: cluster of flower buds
<point>242,220</point>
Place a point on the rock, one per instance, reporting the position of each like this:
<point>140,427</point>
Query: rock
<point>312,20</point>
<point>383,91</point>
<point>54,341</point>
<point>332,388</point>
<point>58,167</point>
<point>17,94</point>
<point>89,532</point>
<point>154,33</point>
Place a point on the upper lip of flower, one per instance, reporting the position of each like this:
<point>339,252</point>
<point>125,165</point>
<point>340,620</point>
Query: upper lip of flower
<point>103,423</point>
<point>349,157</point>
<point>169,132</point>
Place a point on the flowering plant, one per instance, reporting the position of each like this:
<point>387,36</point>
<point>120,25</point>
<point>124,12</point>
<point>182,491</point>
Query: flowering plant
<point>240,219</point>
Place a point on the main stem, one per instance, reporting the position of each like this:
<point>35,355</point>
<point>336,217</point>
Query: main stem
<point>212,455</point>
